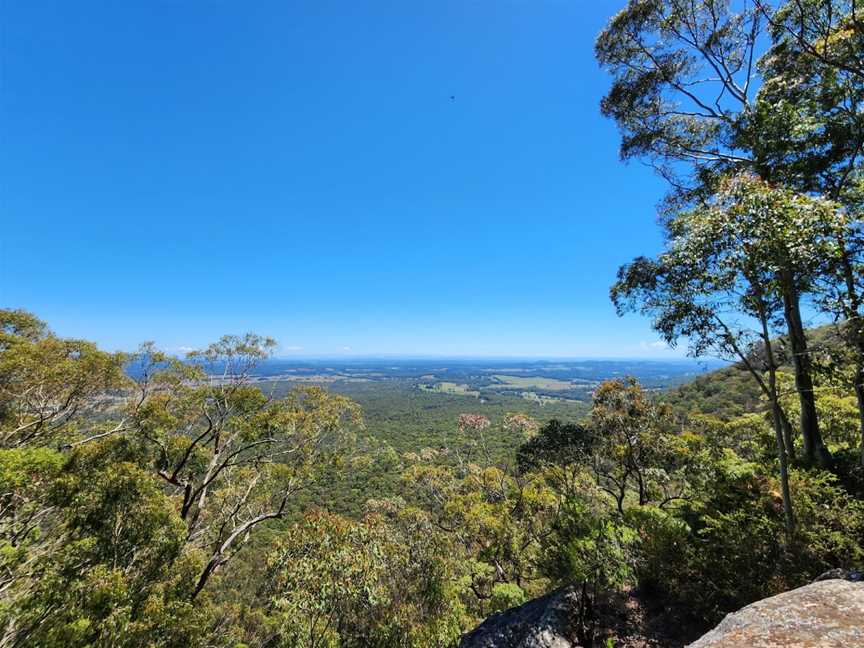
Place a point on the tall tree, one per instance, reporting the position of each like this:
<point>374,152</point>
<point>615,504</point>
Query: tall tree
<point>712,88</point>
<point>732,264</point>
<point>841,294</point>
<point>762,247</point>
<point>808,132</point>
<point>689,300</point>
<point>684,78</point>
<point>232,456</point>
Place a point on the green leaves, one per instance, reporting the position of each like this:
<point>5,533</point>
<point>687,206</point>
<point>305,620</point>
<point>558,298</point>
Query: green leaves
<point>159,482</point>
<point>375,582</point>
<point>728,263</point>
<point>112,548</point>
<point>807,128</point>
<point>681,83</point>
<point>682,93</point>
<point>47,383</point>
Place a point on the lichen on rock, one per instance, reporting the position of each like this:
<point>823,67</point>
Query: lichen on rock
<point>826,613</point>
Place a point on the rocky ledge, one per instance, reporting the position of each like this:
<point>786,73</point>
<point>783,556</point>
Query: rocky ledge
<point>827,613</point>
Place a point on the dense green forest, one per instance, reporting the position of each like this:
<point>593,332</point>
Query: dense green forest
<point>400,419</point>
<point>152,501</point>
<point>183,509</point>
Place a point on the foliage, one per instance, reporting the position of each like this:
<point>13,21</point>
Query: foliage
<point>716,87</point>
<point>118,573</point>
<point>341,582</point>
<point>807,125</point>
<point>48,383</point>
<point>700,559</point>
<point>148,501</point>
<point>235,457</point>
<point>182,512</point>
<point>637,452</point>
<point>555,443</point>
<point>157,484</point>
<point>682,81</point>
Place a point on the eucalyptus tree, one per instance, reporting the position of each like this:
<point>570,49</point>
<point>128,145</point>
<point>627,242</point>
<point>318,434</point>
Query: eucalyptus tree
<point>708,89</point>
<point>635,451</point>
<point>48,384</point>
<point>684,78</point>
<point>806,129</point>
<point>710,320</point>
<point>759,248</point>
<point>808,132</point>
<point>232,456</point>
<point>89,547</point>
<point>729,274</point>
<point>383,580</point>
<point>100,472</point>
<point>497,519</point>
<point>828,31</point>
<point>841,294</point>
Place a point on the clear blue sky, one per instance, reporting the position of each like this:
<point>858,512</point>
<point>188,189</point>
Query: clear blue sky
<point>175,170</point>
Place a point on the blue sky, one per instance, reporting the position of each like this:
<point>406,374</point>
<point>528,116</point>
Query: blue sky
<point>176,170</point>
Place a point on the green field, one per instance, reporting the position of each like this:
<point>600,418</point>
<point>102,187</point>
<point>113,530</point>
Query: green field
<point>450,388</point>
<point>531,382</point>
<point>534,397</point>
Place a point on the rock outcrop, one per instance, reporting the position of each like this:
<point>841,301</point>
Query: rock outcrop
<point>827,613</point>
<point>629,619</point>
<point>540,623</point>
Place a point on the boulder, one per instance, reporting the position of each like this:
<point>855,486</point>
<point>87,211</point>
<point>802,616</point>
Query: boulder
<point>629,619</point>
<point>540,623</point>
<point>826,613</point>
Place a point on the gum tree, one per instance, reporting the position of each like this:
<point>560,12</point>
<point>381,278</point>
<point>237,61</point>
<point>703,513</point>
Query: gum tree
<point>684,78</point>
<point>762,248</point>
<point>710,89</point>
<point>232,456</point>
<point>724,281</point>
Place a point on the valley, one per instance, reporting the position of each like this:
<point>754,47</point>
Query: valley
<point>410,404</point>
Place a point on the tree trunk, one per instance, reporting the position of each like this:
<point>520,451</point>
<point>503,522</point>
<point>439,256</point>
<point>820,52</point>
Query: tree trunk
<point>788,434</point>
<point>859,395</point>
<point>853,318</point>
<point>815,451</point>
<point>782,429</point>
<point>788,514</point>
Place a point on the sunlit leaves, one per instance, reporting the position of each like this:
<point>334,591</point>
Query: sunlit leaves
<point>340,582</point>
<point>46,382</point>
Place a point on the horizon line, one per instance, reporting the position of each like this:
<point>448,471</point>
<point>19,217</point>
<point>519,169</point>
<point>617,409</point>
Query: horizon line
<point>524,358</point>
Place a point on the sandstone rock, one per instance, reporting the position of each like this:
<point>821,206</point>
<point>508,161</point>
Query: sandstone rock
<point>825,614</point>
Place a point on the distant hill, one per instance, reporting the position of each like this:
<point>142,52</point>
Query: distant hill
<point>731,391</point>
<point>727,393</point>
